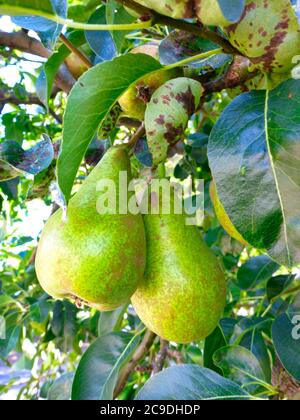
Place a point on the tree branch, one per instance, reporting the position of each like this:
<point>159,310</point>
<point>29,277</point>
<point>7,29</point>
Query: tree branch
<point>139,354</point>
<point>196,29</point>
<point>237,74</point>
<point>23,42</point>
<point>160,357</point>
<point>83,58</point>
<point>8,97</point>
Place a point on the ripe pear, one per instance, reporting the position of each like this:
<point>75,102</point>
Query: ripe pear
<point>182,295</point>
<point>89,256</point>
<point>134,100</point>
<point>223,217</point>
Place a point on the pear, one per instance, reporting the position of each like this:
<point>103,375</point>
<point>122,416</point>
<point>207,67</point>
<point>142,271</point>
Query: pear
<point>223,217</point>
<point>182,295</point>
<point>89,256</point>
<point>134,100</point>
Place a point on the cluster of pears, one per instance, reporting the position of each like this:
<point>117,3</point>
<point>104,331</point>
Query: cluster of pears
<point>173,279</point>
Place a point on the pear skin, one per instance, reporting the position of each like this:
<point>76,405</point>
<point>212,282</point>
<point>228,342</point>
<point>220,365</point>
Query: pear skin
<point>95,258</point>
<point>182,295</point>
<point>223,217</point>
<point>134,100</point>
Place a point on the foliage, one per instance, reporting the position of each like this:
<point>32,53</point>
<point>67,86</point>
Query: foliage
<point>243,133</point>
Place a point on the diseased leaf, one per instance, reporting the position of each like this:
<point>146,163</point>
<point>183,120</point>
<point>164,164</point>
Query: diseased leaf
<point>179,45</point>
<point>168,113</point>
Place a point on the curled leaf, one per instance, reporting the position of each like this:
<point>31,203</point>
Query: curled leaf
<point>168,113</point>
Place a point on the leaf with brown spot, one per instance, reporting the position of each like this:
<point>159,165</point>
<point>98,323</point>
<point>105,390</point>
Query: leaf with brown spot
<point>168,113</point>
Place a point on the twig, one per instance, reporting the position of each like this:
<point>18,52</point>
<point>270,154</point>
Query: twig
<point>76,51</point>
<point>140,353</point>
<point>160,357</point>
<point>237,74</point>
<point>192,28</point>
<point>29,99</point>
<point>23,42</point>
<point>140,132</point>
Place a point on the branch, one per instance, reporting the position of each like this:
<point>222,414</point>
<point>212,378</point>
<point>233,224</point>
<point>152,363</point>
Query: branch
<point>83,58</point>
<point>196,29</point>
<point>23,42</point>
<point>8,97</point>
<point>140,132</point>
<point>139,354</point>
<point>160,357</point>
<point>237,75</point>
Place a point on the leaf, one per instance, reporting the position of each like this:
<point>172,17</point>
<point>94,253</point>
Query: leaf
<point>232,9</point>
<point>60,390</point>
<point>255,271</point>
<point>246,325</point>
<point>23,7</point>
<point>212,343</point>
<point>254,156</point>
<point>101,42</point>
<point>109,321</point>
<point>15,161</point>
<point>168,113</point>
<point>190,382</point>
<point>253,341</point>
<point>90,101</point>
<point>179,45</point>
<point>47,30</point>
<point>141,152</point>
<point>278,284</point>
<point>286,338</point>
<point>239,365</point>
<point>99,367</point>
<point>117,14</point>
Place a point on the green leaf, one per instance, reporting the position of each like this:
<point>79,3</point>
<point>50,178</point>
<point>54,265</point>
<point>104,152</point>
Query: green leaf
<point>256,270</point>
<point>25,7</point>
<point>253,341</point>
<point>278,284</point>
<point>90,101</point>
<point>239,365</point>
<point>213,342</point>
<point>286,338</point>
<point>190,382</point>
<point>99,367</point>
<point>110,321</point>
<point>254,156</point>
<point>60,390</point>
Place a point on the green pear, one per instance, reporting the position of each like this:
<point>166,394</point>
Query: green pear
<point>182,295</point>
<point>88,256</point>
